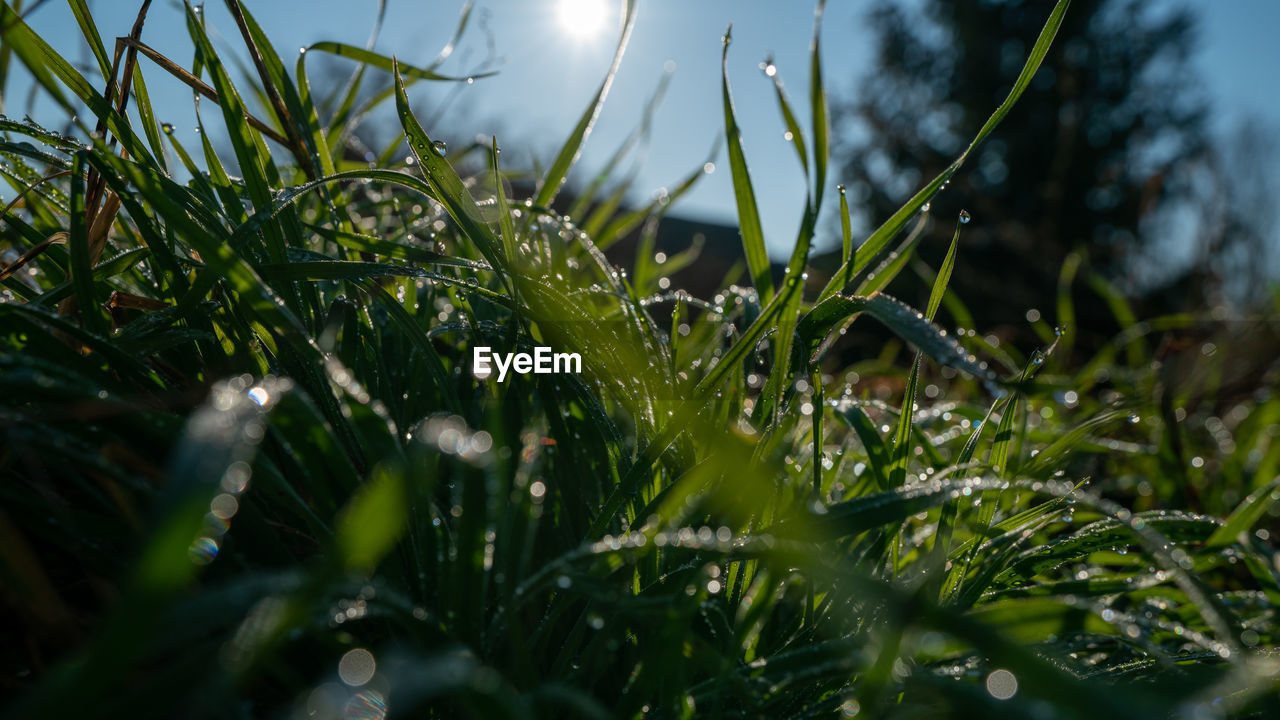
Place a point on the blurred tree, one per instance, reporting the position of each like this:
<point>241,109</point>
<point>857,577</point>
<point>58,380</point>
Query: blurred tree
<point>1243,247</point>
<point>1109,136</point>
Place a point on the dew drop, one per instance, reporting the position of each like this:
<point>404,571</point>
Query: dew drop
<point>768,67</point>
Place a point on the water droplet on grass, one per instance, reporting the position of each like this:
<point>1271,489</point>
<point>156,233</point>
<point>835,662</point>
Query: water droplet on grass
<point>768,67</point>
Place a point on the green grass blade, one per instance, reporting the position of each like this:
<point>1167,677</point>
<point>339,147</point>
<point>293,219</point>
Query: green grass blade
<point>788,316</point>
<point>893,265</point>
<point>846,238</point>
<point>789,119</point>
<point>253,163</point>
<point>446,185</point>
<point>619,226</point>
<point>880,509</point>
<point>146,113</point>
<point>818,108</point>
<point>382,62</point>
<point>88,303</point>
<point>48,69</point>
<point>748,213</point>
<point>369,526</point>
<point>1246,514</point>
<point>89,31</point>
<point>907,323</point>
<point>878,459</point>
<point>902,437</point>
<point>885,233</point>
<point>638,138</point>
<point>943,277</point>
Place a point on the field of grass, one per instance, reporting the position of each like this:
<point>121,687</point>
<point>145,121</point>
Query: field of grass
<point>247,470</point>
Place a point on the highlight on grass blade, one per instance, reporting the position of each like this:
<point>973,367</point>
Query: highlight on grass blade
<point>749,226</point>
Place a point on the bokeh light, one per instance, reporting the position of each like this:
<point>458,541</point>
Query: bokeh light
<point>357,667</point>
<point>1002,684</point>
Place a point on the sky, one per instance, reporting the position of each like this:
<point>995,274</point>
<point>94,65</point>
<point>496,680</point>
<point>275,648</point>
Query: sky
<point>551,56</point>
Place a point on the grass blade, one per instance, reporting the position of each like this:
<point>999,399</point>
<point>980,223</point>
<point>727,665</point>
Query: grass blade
<point>879,239</point>
<point>446,184</point>
<point>572,147</point>
<point>907,323</point>
<point>748,213</point>
<point>1246,514</point>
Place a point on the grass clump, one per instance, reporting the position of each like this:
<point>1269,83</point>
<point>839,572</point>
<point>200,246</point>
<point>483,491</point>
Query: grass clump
<point>248,470</point>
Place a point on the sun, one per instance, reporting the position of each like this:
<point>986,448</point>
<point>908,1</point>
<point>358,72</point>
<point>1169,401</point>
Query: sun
<point>583,19</point>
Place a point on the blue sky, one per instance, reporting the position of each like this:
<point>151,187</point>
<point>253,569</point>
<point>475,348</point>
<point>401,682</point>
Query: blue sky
<point>547,74</point>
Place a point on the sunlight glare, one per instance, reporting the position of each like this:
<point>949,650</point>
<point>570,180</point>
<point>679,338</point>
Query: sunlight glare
<point>582,18</point>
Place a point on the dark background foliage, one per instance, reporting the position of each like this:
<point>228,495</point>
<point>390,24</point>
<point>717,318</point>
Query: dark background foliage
<point>1110,136</point>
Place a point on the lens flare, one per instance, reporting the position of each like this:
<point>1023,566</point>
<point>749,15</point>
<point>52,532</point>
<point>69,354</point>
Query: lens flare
<point>582,19</point>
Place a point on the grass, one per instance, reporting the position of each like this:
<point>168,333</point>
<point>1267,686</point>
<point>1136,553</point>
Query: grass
<point>248,472</point>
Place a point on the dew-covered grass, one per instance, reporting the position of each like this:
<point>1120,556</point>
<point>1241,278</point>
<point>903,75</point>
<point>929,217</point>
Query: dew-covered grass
<point>248,471</point>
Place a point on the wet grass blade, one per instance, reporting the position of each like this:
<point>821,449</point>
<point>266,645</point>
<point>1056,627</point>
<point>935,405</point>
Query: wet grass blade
<point>749,226</point>
<point>880,509</point>
<point>877,454</point>
<point>52,72</point>
<point>908,324</point>
<point>818,109</point>
<point>572,147</point>
<point>446,185</point>
<point>888,270</point>
<point>1246,514</point>
<point>89,31</point>
<point>902,445</point>
<point>879,239</point>
<point>846,238</point>
<point>382,62</point>
<point>87,302</point>
<point>639,138</point>
<point>794,132</point>
<point>943,277</point>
